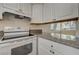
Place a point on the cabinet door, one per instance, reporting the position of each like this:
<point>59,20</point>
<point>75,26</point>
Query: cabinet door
<point>56,48</point>
<point>13,6</point>
<point>59,11</point>
<point>65,50</point>
<point>48,12</point>
<point>46,46</point>
<point>66,10</point>
<point>42,51</point>
<point>5,48</point>
<point>42,48</point>
<point>25,8</point>
<point>18,8</point>
<point>5,51</point>
<point>37,13</point>
<point>1,10</point>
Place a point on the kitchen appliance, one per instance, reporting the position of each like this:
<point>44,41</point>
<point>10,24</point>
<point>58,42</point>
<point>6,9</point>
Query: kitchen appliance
<point>11,32</point>
<point>19,46</point>
<point>17,41</point>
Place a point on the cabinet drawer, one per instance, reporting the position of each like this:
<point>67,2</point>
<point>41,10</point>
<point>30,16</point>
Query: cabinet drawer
<point>50,50</point>
<point>57,47</point>
<point>47,46</point>
<point>43,51</point>
<point>67,50</point>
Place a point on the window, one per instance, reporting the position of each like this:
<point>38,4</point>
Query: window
<point>57,35</point>
<point>55,26</point>
<point>68,30</point>
<point>58,27</point>
<point>66,26</point>
<point>64,30</point>
<point>52,26</point>
<point>69,25</point>
<point>56,30</point>
<point>68,37</point>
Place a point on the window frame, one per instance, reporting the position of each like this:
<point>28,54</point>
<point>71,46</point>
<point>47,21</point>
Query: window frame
<point>67,32</point>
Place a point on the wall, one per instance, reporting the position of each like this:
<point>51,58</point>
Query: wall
<point>10,21</point>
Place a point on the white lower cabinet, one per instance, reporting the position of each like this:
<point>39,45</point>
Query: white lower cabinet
<point>47,47</point>
<point>5,51</point>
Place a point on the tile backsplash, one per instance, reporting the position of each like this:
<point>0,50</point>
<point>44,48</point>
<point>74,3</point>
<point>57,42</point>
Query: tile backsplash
<point>10,21</point>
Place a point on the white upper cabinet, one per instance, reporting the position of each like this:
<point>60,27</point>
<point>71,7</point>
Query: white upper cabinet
<point>59,10</point>
<point>65,10</point>
<point>37,12</point>
<point>48,11</point>
<point>16,8</point>
<point>13,6</point>
<point>1,10</point>
<point>42,12</point>
<point>25,8</point>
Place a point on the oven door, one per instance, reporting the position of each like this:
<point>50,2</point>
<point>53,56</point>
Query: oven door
<point>22,50</point>
<point>19,46</point>
<point>25,47</point>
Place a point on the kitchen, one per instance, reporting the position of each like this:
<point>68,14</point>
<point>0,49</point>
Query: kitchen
<point>39,29</point>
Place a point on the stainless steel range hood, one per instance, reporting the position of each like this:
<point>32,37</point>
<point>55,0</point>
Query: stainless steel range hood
<point>18,16</point>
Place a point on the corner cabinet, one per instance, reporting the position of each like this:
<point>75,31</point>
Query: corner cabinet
<point>47,47</point>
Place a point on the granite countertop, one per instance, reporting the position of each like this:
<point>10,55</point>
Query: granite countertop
<point>70,43</point>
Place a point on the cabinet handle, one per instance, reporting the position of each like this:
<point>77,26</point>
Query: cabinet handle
<point>52,52</point>
<point>51,45</point>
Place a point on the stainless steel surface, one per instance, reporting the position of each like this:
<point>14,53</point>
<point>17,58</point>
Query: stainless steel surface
<point>22,50</point>
<point>15,32</point>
